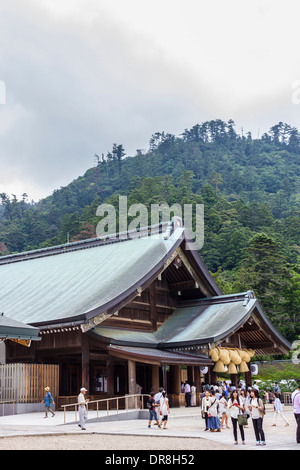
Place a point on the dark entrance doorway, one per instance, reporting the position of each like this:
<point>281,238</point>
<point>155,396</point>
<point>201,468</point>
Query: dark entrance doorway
<point>144,377</point>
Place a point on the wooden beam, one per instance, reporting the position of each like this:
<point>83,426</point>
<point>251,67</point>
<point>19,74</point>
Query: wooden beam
<point>262,345</point>
<point>246,328</point>
<point>190,284</point>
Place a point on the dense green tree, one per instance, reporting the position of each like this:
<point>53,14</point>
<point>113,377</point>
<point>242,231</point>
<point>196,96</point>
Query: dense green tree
<point>266,271</point>
<point>250,191</point>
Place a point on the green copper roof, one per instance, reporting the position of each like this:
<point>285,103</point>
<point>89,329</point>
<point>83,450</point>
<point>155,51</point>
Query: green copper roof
<point>201,322</point>
<point>41,287</point>
<point>13,329</point>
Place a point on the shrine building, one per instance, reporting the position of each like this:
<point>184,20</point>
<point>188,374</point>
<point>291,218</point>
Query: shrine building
<point>116,312</point>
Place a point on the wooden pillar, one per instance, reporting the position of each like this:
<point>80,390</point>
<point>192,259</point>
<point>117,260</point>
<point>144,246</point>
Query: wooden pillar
<point>153,311</point>
<point>175,379</point>
<point>85,362</point>
<point>248,377</point>
<point>131,377</point>
<point>197,379</point>
<point>234,379</point>
<point>190,374</point>
<point>164,373</point>
<point>110,376</point>
<point>213,376</point>
<point>174,393</point>
<point>155,378</point>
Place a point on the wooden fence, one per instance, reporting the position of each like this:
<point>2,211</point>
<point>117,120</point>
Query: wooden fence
<point>25,383</point>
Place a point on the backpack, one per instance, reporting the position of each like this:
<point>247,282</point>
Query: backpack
<point>149,405</point>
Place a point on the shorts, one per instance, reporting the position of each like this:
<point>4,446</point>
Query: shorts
<point>165,418</point>
<point>152,415</point>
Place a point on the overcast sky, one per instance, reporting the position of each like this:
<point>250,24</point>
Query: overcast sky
<point>80,75</point>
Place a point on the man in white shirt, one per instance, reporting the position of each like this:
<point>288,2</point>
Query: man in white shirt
<point>158,395</point>
<point>82,408</point>
<point>157,398</point>
<point>187,391</point>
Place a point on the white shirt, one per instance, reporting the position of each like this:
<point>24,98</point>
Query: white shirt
<point>254,411</point>
<point>222,405</point>
<point>187,388</point>
<point>164,406</point>
<point>205,404</point>
<point>234,410</point>
<point>244,401</point>
<point>81,399</point>
<point>277,405</point>
<point>213,407</point>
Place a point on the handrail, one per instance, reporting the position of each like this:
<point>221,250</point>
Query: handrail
<point>8,401</point>
<point>126,397</point>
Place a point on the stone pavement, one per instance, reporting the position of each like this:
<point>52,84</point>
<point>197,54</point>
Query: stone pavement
<point>183,423</point>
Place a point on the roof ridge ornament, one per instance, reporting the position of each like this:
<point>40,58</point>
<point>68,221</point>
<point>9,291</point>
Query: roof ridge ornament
<point>248,296</point>
<point>175,222</point>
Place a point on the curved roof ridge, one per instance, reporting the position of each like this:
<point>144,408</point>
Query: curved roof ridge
<point>143,232</point>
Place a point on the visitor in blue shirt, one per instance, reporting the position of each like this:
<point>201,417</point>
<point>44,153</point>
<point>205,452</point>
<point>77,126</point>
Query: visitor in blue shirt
<point>48,399</point>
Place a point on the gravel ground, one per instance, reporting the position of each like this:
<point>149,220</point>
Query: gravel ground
<point>108,442</point>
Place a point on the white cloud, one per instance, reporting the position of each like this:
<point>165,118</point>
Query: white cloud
<point>82,74</point>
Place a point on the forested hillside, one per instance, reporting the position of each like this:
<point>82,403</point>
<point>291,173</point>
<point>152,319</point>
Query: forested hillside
<point>250,189</point>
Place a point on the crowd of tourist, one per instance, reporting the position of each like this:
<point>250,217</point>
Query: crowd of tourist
<point>222,401</point>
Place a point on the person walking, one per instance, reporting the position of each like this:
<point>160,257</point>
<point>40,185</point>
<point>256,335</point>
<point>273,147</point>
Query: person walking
<point>193,395</point>
<point>296,409</point>
<point>157,398</point>
<point>152,411</point>
<point>213,422</point>
<point>82,402</point>
<point>256,408</point>
<point>277,390</point>
<point>255,386</point>
<point>48,400</point>
<point>225,388</point>
<point>138,391</point>
<point>164,409</point>
<point>204,408</point>
<point>278,410</point>
<point>266,396</point>
<point>223,411</point>
<point>187,391</point>
<point>236,407</point>
<point>244,403</point>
